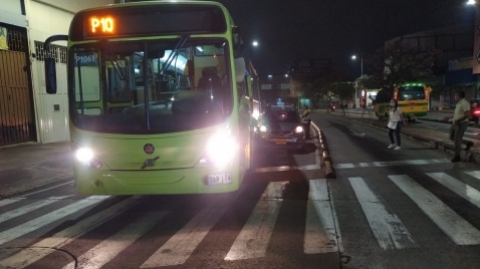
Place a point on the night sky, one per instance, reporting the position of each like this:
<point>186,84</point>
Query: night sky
<point>336,29</point>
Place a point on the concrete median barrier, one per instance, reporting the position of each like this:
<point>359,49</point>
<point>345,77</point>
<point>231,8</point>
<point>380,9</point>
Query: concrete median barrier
<point>326,160</point>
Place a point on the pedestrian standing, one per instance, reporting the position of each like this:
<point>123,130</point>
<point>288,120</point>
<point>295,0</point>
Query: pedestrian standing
<point>306,121</point>
<point>396,120</point>
<point>459,124</point>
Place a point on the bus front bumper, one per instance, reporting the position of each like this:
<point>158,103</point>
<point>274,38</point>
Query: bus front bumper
<point>198,180</point>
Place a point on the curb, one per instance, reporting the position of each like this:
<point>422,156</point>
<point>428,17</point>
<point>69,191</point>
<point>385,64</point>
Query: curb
<point>326,160</point>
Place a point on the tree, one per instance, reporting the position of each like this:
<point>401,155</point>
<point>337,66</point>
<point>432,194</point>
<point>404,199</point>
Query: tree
<point>343,90</point>
<point>398,62</point>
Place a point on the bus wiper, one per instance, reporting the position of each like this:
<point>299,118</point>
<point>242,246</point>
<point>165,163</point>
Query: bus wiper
<point>80,86</point>
<point>172,55</point>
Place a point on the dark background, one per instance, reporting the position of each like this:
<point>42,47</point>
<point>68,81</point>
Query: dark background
<point>336,29</point>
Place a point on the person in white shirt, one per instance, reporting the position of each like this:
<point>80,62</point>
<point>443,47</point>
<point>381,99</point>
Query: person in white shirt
<point>460,118</point>
<point>395,125</point>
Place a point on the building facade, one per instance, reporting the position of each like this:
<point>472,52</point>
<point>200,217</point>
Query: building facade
<point>27,113</point>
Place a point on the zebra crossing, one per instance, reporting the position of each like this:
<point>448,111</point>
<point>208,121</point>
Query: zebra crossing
<point>322,230</point>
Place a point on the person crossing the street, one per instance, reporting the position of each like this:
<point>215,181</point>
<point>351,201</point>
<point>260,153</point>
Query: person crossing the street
<point>460,118</point>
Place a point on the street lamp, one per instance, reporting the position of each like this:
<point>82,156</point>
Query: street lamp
<point>471,2</point>
<point>354,57</point>
<point>255,43</point>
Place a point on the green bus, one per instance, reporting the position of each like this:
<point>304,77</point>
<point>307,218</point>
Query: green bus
<point>160,99</point>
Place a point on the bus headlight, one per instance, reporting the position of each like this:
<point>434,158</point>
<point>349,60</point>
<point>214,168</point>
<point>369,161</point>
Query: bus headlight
<point>84,155</point>
<point>299,130</point>
<point>256,114</point>
<point>221,149</point>
<point>87,157</point>
<point>263,129</point>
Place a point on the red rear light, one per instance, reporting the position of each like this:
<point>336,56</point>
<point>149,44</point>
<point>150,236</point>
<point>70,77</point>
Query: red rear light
<point>476,112</point>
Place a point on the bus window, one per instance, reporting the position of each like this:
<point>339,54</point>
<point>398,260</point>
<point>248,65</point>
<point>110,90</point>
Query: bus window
<point>118,80</point>
<point>131,102</point>
<point>87,94</point>
<point>406,93</point>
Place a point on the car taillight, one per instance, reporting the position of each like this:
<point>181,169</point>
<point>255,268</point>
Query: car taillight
<point>476,112</point>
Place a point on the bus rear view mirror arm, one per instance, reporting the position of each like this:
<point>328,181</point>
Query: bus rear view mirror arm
<point>50,71</point>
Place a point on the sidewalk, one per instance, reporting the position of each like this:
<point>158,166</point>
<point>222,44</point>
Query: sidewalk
<point>439,140</point>
<point>29,166</point>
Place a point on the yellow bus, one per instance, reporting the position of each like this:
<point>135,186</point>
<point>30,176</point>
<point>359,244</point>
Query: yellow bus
<point>160,99</point>
<point>412,98</point>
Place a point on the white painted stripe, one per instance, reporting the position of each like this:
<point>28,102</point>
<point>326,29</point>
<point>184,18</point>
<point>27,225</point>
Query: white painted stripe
<point>287,168</point>
<point>386,226</point>
<point>29,208</point>
<point>102,253</point>
<point>457,228</point>
<point>252,242</point>
<point>44,220</point>
<point>464,190</point>
<point>475,174</point>
<point>337,226</point>
<point>47,189</point>
<point>48,245</point>
<point>5,202</point>
<point>181,245</point>
<point>320,235</point>
<point>391,163</point>
<point>344,165</point>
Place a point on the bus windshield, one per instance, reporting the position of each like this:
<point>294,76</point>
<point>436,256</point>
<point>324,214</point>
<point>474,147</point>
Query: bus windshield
<point>406,93</point>
<point>150,87</point>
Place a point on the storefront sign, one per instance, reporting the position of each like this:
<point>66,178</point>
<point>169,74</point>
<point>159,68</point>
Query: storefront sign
<point>3,39</point>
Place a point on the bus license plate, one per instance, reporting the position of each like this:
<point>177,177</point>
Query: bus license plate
<point>218,179</point>
<point>280,141</point>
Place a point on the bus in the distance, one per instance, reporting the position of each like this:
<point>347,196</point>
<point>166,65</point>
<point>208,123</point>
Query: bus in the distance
<point>412,98</point>
<point>160,99</point>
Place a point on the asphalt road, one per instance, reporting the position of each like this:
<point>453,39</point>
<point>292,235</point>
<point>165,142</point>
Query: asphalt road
<point>264,225</point>
<point>401,209</point>
<point>386,209</point>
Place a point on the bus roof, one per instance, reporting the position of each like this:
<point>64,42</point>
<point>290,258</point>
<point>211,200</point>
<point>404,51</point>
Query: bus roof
<point>158,2</point>
<point>135,20</point>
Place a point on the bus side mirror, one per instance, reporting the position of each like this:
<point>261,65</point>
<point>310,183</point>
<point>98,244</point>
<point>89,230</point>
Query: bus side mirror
<point>239,69</point>
<point>50,76</point>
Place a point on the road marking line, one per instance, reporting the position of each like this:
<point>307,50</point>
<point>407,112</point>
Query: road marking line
<point>181,245</point>
<point>5,202</point>
<point>386,226</point>
<point>389,163</point>
<point>29,208</point>
<point>47,189</point>
<point>320,235</point>
<point>457,228</point>
<point>464,190</point>
<point>44,220</point>
<point>48,245</point>
<point>475,174</point>
<point>252,242</point>
<point>344,165</point>
<point>102,253</point>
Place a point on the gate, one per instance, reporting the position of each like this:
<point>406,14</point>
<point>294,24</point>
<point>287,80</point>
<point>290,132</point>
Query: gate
<point>17,123</point>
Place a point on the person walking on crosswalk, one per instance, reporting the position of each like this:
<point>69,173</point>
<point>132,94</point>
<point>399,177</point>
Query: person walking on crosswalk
<point>395,125</point>
<point>460,118</point>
